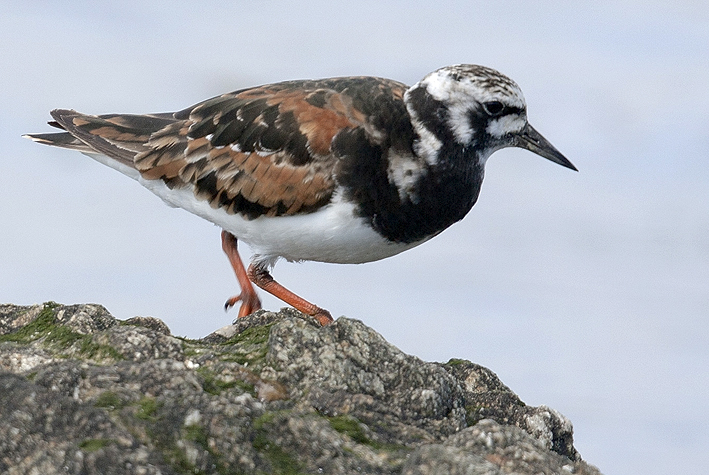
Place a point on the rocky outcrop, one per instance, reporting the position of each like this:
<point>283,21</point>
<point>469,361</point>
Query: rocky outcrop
<point>82,392</point>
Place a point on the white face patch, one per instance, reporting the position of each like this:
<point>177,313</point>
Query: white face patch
<point>508,124</point>
<point>459,122</point>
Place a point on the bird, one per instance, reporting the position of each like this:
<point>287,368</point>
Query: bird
<point>340,170</point>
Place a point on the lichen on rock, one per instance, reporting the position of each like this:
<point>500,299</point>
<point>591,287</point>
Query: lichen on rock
<point>82,392</point>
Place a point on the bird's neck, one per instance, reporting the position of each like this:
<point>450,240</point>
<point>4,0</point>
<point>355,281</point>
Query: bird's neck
<point>407,200</point>
<point>418,183</point>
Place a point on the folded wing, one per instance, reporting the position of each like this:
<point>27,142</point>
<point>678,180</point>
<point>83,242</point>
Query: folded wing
<point>259,151</point>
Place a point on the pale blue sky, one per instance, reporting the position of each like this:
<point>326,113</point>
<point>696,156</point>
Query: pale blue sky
<point>588,292</point>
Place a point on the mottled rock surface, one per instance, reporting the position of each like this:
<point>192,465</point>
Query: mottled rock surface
<point>82,392</point>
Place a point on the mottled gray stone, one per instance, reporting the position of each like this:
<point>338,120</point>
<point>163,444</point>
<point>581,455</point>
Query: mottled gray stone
<point>85,318</point>
<point>490,448</point>
<point>140,343</point>
<point>13,317</point>
<point>152,323</point>
<point>494,400</point>
<point>81,392</point>
<point>44,433</point>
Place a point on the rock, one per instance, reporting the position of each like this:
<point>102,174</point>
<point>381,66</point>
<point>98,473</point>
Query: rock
<point>82,392</point>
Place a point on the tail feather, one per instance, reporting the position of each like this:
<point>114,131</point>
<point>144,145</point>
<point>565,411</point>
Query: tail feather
<point>118,136</point>
<point>61,139</point>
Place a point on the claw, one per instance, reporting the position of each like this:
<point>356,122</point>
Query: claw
<point>231,301</point>
<point>249,304</point>
<point>323,316</point>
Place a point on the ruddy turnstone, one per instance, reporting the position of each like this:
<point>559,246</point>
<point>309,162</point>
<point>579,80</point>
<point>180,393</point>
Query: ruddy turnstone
<point>343,170</point>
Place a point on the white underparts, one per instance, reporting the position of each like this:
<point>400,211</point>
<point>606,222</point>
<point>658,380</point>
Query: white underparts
<point>332,234</point>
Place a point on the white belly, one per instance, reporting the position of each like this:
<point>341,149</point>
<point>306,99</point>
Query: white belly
<point>332,234</point>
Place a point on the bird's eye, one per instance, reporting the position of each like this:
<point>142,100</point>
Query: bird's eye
<point>493,108</point>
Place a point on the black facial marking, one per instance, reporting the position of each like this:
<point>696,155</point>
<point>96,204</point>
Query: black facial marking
<point>444,192</point>
<point>432,113</point>
<point>481,118</point>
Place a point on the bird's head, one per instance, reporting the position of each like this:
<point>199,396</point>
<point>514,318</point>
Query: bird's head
<point>476,108</point>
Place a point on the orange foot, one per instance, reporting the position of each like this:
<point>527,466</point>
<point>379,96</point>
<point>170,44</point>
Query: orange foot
<point>262,278</point>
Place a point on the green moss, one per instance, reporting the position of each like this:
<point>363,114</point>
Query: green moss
<point>212,384</point>
<point>221,385</point>
<point>45,327</point>
<point>189,349</point>
<point>266,418</point>
<point>126,323</point>
<point>38,328</point>
<point>109,400</point>
<point>92,445</point>
<point>246,387</point>
<point>196,433</point>
<point>96,351</point>
<point>351,427</point>
<point>172,444</point>
<point>248,347</point>
<point>178,460</point>
<point>176,456</point>
<point>472,414</point>
<point>164,440</point>
<point>147,409</point>
<point>60,337</point>
<point>253,336</point>
<point>281,461</point>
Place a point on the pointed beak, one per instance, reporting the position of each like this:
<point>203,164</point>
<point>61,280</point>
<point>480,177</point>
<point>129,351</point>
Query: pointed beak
<point>533,141</point>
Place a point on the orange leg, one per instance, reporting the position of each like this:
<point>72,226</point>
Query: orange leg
<point>260,276</point>
<point>248,296</point>
<point>263,279</point>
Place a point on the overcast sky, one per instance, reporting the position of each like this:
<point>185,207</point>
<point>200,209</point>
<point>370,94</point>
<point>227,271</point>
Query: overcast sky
<point>587,292</point>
